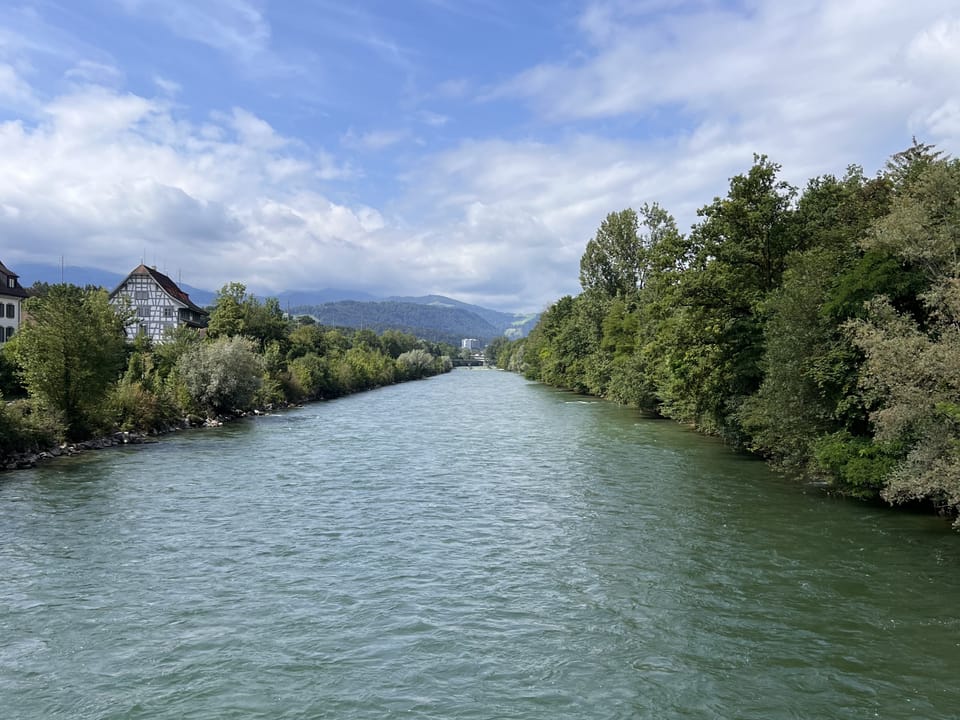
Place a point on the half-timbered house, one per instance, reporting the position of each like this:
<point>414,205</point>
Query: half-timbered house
<point>158,304</point>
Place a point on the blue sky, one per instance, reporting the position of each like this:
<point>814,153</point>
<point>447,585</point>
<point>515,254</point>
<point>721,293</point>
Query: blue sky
<point>462,147</point>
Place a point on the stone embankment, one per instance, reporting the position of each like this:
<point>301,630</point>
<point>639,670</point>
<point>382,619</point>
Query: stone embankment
<point>24,460</point>
<point>19,461</point>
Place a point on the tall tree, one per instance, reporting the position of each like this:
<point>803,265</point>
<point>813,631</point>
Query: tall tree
<point>911,377</point>
<point>613,262</point>
<point>69,354</point>
<point>227,318</point>
<point>741,245</point>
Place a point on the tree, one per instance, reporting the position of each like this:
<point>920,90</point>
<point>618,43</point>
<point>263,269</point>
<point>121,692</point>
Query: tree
<point>613,262</point>
<point>223,375</point>
<point>911,376</point>
<point>493,350</point>
<point>415,364</point>
<point>808,407</point>
<point>227,317</point>
<point>69,354</point>
<point>236,312</point>
<point>715,346</point>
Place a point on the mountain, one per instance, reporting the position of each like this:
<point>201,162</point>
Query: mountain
<point>434,317</point>
<point>318,297</point>
<point>78,275</point>
<point>438,323</point>
<point>511,324</point>
<point>40,272</point>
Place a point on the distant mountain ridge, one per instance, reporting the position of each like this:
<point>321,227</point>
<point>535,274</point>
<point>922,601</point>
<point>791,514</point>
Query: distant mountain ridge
<point>40,272</point>
<point>434,317</point>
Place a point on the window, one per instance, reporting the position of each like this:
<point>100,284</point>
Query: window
<point>143,311</point>
<point>168,312</point>
<point>141,295</point>
<point>11,282</point>
<point>9,333</point>
<point>11,310</point>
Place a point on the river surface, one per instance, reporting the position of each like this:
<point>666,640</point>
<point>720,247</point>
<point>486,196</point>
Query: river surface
<point>470,546</point>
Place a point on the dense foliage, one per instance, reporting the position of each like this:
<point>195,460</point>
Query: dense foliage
<point>80,377</point>
<point>817,328</point>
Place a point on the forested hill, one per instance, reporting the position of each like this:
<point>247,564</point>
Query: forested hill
<point>432,317</point>
<point>438,323</point>
<point>512,325</point>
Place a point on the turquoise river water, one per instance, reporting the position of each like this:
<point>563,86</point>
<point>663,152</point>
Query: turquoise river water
<point>470,546</point>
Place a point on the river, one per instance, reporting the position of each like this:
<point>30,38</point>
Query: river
<point>469,546</point>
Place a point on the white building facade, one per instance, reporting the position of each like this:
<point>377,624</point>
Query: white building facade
<point>12,296</point>
<point>158,304</point>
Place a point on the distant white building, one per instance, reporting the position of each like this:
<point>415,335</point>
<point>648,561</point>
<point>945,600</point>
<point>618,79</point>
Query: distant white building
<point>469,344</point>
<point>160,305</point>
<point>12,296</point>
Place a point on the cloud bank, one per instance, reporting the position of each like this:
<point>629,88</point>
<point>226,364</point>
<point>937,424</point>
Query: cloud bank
<point>487,195</point>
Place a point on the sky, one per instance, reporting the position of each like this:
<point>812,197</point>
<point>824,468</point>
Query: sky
<point>469,148</point>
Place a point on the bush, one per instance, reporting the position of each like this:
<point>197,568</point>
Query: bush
<point>223,375</point>
<point>24,428</point>
<point>857,467</point>
<point>138,409</point>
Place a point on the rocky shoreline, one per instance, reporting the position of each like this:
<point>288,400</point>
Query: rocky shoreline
<point>26,460</point>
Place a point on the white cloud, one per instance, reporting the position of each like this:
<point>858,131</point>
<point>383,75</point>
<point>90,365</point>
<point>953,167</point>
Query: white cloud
<point>14,91</point>
<point>433,119</point>
<point>106,175</point>
<point>91,72</point>
<point>235,27</point>
<point>167,86</point>
<point>374,139</point>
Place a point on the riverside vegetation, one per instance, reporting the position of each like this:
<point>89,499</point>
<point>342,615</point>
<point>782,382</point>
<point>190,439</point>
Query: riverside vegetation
<point>819,328</point>
<point>75,377</point>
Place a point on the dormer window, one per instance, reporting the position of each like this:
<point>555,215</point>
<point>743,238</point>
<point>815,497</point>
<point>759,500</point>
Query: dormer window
<point>11,282</point>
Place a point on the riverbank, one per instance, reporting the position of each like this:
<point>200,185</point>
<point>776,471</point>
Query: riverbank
<point>28,459</point>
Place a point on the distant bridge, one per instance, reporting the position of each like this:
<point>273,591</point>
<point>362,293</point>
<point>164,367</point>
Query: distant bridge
<point>472,362</point>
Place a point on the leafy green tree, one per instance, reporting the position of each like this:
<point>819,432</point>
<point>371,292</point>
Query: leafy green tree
<point>911,375</point>
<point>613,262</point>
<point>416,364</point>
<point>70,353</point>
<point>306,339</point>
<point>717,331</point>
<point>493,350</point>
<point>265,322</point>
<point>223,375</point>
<point>809,392</point>
<point>10,384</point>
<point>235,312</point>
<point>395,342</point>
<point>227,318</point>
<point>312,377</point>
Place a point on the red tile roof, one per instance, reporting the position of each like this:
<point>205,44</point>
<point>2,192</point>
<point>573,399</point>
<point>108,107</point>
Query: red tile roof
<point>168,285</point>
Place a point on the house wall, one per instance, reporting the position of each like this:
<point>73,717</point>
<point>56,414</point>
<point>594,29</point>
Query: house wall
<point>10,314</point>
<point>156,311</point>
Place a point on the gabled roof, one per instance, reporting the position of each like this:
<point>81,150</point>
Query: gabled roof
<point>16,290</point>
<point>168,285</point>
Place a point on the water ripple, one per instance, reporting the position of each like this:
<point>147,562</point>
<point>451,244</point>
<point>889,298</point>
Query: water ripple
<point>472,546</point>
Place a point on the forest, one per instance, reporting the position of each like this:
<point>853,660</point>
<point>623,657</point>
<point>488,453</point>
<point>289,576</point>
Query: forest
<point>818,327</point>
<point>70,374</point>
